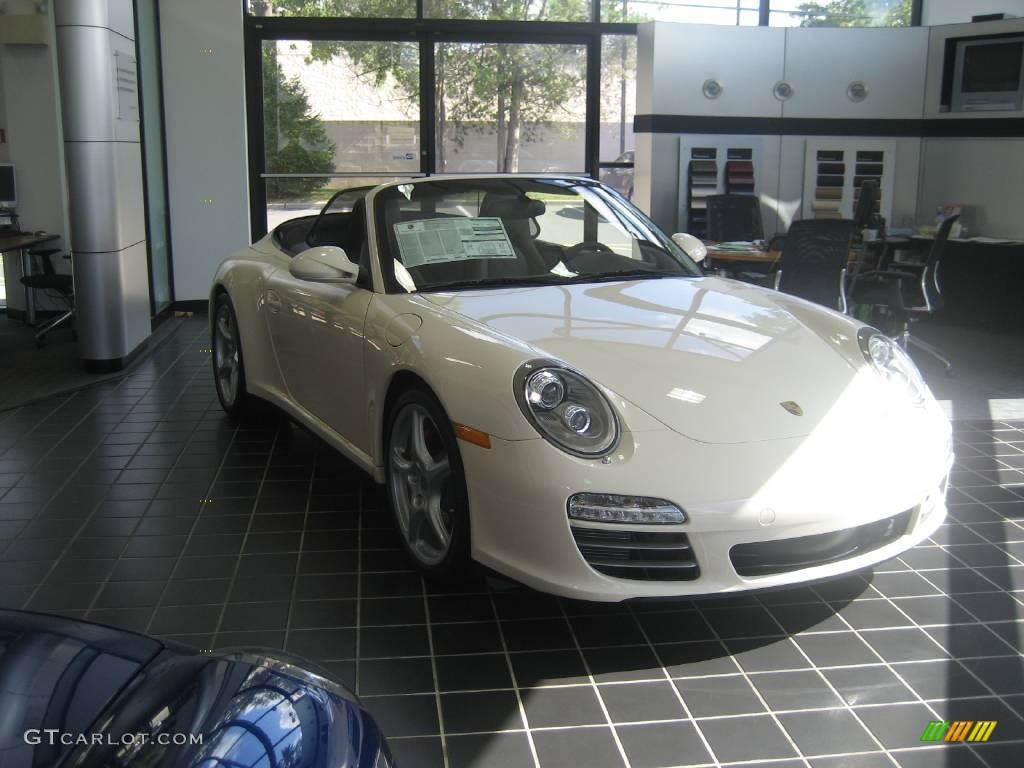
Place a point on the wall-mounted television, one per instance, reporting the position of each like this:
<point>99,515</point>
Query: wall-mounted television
<point>989,75</point>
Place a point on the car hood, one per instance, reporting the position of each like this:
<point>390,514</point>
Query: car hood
<point>712,359</point>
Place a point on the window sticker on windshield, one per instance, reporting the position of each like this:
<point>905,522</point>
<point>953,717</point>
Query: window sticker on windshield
<point>435,241</point>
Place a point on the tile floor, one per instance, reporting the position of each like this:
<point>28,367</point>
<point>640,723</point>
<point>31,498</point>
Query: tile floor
<point>138,504</point>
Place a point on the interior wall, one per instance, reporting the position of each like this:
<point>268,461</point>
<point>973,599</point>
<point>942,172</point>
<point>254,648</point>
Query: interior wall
<point>982,173</point>
<point>35,144</point>
<point>748,62</point>
<point>204,104</point>
<point>955,11</point>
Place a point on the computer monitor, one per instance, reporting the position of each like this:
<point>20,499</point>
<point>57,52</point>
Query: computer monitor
<point>8,198</point>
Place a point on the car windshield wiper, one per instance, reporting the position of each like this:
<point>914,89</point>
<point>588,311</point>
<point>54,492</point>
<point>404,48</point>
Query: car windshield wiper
<point>523,281</point>
<point>627,274</point>
<point>528,281</point>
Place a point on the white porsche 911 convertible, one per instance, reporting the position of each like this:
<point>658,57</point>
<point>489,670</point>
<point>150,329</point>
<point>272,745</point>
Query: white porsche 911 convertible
<point>549,385</point>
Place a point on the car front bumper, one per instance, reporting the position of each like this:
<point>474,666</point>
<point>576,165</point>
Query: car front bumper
<point>736,494</point>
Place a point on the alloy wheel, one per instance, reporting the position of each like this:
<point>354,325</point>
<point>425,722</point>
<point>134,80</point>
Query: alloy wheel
<point>420,484</point>
<point>225,354</point>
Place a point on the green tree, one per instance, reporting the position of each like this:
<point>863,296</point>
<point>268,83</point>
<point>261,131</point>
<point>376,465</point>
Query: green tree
<point>294,139</point>
<point>513,89</point>
<point>857,13</point>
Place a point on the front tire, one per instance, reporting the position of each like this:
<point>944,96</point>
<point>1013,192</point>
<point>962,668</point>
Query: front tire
<point>426,486</point>
<point>228,365</point>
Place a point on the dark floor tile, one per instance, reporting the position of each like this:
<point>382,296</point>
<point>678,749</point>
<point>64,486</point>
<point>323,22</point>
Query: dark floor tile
<point>474,672</point>
<point>868,685</point>
<point>316,614</point>
<point>719,695</point>
<point>480,711</point>
<point>804,689</point>
<point>761,738</point>
<point>264,589</point>
<point>873,614</point>
<point>404,715</point>
<point>695,659</point>
<point>896,725</point>
<point>474,637</point>
<point>831,732</point>
<point>326,586</point>
<point>623,663</point>
<point>248,617</point>
<point>185,619</point>
<point>195,592</point>
<point>537,634</point>
<point>642,702</point>
<point>130,594</point>
<point>548,707</point>
<point>907,644</point>
<point>323,644</point>
<point>658,745</point>
<point>767,654</point>
<point>562,749</point>
<point>395,676</point>
<point>394,641</point>
<point>492,750</point>
<point>391,611</point>
<point>62,596</point>
<point>419,752</point>
<point>839,649</point>
<point>752,621</point>
<point>143,569</point>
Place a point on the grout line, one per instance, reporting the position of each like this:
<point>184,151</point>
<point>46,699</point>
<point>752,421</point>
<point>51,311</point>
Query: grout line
<point>433,673</point>
<point>515,682</point>
<point>594,686</point>
<point>675,689</point>
<point>293,599</point>
<point>757,693</point>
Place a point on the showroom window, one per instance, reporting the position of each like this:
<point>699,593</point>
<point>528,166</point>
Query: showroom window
<point>350,93</point>
<point>727,12</point>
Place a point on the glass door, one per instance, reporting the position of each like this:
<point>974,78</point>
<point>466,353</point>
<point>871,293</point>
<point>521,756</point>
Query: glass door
<point>336,115</point>
<point>154,164</point>
<point>510,107</point>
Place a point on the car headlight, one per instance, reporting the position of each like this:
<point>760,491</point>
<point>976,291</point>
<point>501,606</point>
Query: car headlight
<point>892,364</point>
<point>566,409</point>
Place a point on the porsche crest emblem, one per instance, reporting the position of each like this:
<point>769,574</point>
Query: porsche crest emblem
<point>793,408</point>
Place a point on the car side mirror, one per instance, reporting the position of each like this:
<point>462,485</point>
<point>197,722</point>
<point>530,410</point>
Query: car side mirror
<point>691,246</point>
<point>324,264</point>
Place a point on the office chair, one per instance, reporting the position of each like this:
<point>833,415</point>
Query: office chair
<point>58,285</point>
<point>866,203</point>
<point>814,261</point>
<point>906,296</point>
<point>734,217</point>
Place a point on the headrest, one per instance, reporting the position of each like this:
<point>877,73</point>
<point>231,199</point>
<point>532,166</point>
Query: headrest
<point>506,206</point>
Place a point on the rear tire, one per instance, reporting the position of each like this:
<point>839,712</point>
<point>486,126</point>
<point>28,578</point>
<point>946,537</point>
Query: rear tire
<point>228,364</point>
<point>426,486</point>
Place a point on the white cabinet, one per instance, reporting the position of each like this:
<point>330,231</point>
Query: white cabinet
<point>890,62</point>
<point>745,61</point>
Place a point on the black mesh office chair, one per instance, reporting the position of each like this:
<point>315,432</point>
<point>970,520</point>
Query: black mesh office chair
<point>44,277</point>
<point>866,203</point>
<point>814,261</point>
<point>905,297</point>
<point>734,217</point>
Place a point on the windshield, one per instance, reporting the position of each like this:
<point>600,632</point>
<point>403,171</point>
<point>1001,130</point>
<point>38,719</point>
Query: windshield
<point>477,233</point>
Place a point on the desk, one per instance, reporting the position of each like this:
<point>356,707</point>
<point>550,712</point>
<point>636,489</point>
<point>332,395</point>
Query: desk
<point>23,242</point>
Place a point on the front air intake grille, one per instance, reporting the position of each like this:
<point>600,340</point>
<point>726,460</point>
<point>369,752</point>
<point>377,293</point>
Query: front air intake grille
<point>764,558</point>
<point>639,555</point>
